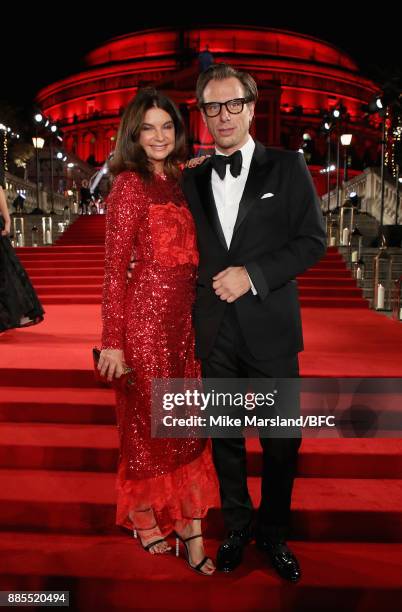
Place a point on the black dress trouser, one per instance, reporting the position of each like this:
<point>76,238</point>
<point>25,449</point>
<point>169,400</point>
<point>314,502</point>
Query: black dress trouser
<point>230,358</point>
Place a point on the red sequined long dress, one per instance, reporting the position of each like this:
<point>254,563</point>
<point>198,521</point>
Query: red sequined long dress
<point>149,317</point>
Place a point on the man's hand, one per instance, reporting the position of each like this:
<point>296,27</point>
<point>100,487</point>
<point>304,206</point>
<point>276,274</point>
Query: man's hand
<point>231,283</point>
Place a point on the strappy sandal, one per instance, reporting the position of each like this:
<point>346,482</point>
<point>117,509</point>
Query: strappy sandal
<point>197,568</point>
<point>148,546</point>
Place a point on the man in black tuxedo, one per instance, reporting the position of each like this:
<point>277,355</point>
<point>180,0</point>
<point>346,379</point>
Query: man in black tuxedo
<point>259,225</point>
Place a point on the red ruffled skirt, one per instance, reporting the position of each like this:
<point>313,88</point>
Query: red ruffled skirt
<point>181,495</point>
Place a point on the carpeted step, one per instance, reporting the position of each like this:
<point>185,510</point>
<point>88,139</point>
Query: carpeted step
<point>71,299</point>
<point>57,405</point>
<point>333,302</point>
<point>89,230</point>
<point>85,241</point>
<point>84,502</point>
<point>88,447</point>
<point>83,249</point>
<point>313,273</point>
<point>325,281</point>
<point>339,457</point>
<point>53,378</point>
<point>114,574</point>
<point>94,238</point>
<point>95,280</point>
<point>83,405</point>
<point>330,292</point>
<point>43,271</point>
<point>79,292</point>
<point>329,265</point>
<point>53,285</point>
<point>68,263</point>
<point>59,447</point>
<point>27,258</point>
<point>92,289</point>
<point>306,287</point>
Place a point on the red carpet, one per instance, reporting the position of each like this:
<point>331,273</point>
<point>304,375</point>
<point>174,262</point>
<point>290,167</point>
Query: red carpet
<point>58,453</point>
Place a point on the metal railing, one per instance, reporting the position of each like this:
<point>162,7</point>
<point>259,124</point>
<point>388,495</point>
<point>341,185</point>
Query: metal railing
<point>16,185</point>
<point>396,299</point>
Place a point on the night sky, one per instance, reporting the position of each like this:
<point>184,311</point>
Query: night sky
<point>38,48</point>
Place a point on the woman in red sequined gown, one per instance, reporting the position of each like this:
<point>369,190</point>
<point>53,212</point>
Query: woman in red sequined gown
<point>162,484</point>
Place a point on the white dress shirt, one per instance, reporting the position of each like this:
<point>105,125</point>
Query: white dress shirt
<point>228,193</point>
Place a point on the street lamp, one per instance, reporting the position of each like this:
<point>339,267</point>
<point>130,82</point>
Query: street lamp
<point>331,121</point>
<point>326,127</point>
<point>338,114</point>
<point>38,144</point>
<point>53,130</point>
<point>49,125</point>
<point>346,140</point>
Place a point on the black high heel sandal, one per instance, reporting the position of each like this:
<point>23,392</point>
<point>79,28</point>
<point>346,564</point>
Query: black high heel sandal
<point>148,546</point>
<point>197,568</point>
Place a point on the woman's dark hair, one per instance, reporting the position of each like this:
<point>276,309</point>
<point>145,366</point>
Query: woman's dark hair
<point>128,153</point>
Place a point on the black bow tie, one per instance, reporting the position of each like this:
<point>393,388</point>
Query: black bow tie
<point>219,163</point>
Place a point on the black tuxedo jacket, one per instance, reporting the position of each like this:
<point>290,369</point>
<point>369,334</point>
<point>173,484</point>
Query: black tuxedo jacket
<point>276,238</point>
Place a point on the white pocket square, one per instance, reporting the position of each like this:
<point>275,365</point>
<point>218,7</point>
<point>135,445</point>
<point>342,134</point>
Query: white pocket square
<point>267,195</point>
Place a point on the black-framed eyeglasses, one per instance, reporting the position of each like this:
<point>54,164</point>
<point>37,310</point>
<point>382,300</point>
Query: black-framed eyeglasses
<point>234,107</point>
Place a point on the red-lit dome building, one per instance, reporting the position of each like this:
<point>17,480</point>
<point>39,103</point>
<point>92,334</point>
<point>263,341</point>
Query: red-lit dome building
<point>299,77</point>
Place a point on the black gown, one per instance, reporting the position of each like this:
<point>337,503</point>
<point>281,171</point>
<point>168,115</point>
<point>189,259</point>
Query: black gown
<point>18,299</point>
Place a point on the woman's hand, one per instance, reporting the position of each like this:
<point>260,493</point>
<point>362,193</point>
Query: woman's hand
<point>196,161</point>
<point>131,266</point>
<point>7,227</point>
<point>111,363</point>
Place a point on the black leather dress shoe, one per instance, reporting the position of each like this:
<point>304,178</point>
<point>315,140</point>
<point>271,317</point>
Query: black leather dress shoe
<point>281,557</point>
<point>230,552</point>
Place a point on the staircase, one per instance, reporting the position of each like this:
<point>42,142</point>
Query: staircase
<point>58,456</point>
<point>369,228</point>
<point>367,255</point>
<point>330,284</point>
<point>65,274</point>
<point>367,185</point>
<point>86,230</point>
<point>72,271</point>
